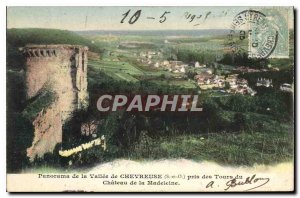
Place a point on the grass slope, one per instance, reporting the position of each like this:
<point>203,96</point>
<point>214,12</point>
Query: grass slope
<point>21,37</point>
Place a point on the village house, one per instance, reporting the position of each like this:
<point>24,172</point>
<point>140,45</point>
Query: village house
<point>242,82</point>
<point>286,87</point>
<point>182,69</point>
<point>173,66</point>
<point>275,68</point>
<point>143,54</point>
<point>197,65</point>
<point>165,63</point>
<point>264,82</point>
<point>232,80</point>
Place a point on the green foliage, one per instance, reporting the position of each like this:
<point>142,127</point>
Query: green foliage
<point>38,103</point>
<point>203,57</point>
<point>242,59</point>
<point>17,38</point>
<point>90,157</point>
<point>279,105</point>
<point>110,129</point>
<point>278,77</point>
<point>239,121</point>
<point>248,148</point>
<point>227,86</point>
<point>223,120</point>
<point>235,130</point>
<point>19,138</point>
<point>191,74</point>
<point>15,91</point>
<point>50,162</point>
<point>22,37</point>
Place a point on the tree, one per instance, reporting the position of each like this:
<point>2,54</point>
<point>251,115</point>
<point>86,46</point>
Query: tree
<point>239,121</point>
<point>191,74</point>
<point>227,85</point>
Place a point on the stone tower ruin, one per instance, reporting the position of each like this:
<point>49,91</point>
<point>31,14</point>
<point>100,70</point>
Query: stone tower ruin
<point>62,70</point>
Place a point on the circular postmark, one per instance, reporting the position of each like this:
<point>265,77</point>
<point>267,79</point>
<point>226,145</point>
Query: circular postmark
<point>252,33</point>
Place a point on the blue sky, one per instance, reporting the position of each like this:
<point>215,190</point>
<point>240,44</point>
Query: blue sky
<point>108,18</point>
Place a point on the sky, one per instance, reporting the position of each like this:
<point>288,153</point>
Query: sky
<point>109,18</point>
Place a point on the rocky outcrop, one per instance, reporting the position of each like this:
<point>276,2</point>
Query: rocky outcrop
<point>48,132</point>
<point>61,69</point>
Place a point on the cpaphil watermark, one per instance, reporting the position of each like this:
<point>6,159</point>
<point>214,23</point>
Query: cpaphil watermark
<point>144,103</point>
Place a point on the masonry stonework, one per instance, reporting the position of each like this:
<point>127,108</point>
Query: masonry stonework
<point>63,70</point>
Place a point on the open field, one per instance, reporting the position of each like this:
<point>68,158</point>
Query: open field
<point>180,83</point>
<point>125,71</point>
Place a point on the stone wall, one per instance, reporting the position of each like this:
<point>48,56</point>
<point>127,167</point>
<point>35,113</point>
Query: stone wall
<point>63,70</point>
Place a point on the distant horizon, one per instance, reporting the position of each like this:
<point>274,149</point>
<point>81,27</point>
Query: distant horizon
<point>165,32</point>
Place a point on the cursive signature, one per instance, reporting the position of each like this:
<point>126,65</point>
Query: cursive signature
<point>253,180</point>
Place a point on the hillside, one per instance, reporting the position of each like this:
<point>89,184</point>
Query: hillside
<point>20,37</point>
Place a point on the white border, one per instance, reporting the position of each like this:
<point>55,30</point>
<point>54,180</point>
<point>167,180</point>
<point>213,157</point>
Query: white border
<point>151,3</point>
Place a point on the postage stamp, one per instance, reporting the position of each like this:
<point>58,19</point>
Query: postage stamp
<point>266,32</point>
<point>150,99</point>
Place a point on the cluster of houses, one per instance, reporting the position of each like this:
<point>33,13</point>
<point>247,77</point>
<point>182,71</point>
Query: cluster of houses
<point>207,80</point>
<point>149,57</point>
<point>150,54</point>
<point>179,66</point>
<point>172,66</point>
<point>152,58</point>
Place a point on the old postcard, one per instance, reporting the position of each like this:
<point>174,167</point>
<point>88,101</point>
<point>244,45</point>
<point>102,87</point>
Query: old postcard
<point>150,99</point>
